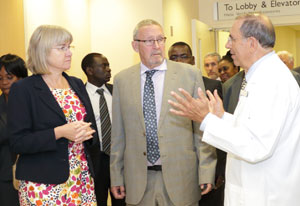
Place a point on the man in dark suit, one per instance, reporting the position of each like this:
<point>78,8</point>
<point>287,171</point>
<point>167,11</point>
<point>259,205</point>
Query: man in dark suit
<point>182,52</point>
<point>96,67</point>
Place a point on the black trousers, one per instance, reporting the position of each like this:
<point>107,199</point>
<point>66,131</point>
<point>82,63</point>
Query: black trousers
<point>102,183</point>
<point>8,194</point>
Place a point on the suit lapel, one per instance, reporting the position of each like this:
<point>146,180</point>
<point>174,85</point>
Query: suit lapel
<point>136,93</point>
<point>46,96</point>
<point>169,85</point>
<point>236,87</point>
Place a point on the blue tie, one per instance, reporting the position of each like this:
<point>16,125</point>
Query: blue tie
<point>149,110</point>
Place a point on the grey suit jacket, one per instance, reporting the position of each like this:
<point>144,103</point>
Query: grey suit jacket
<point>180,142</point>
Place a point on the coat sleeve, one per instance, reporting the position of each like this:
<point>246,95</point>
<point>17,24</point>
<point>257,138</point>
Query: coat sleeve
<point>25,138</point>
<point>117,140</point>
<point>206,153</point>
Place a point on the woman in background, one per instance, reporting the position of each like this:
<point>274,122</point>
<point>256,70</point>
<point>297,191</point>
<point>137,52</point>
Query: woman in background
<point>12,69</point>
<point>49,120</point>
<point>227,68</point>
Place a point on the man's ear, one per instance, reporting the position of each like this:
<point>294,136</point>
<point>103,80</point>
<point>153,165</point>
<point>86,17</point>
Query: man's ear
<point>135,46</point>
<point>90,71</point>
<point>193,60</point>
<point>253,43</point>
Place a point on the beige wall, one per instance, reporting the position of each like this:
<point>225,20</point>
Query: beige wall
<point>286,40</point>
<point>223,37</point>
<point>178,15</point>
<point>12,28</point>
<point>112,24</point>
<point>297,57</point>
<point>103,26</point>
<point>71,14</point>
<point>203,42</point>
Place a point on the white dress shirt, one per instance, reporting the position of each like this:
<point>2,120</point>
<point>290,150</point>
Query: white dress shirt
<point>95,98</point>
<point>158,83</point>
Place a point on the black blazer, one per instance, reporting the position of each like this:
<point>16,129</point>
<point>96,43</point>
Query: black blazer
<point>6,156</point>
<point>211,85</point>
<point>33,113</point>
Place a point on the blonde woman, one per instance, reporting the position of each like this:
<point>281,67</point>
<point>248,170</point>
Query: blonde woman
<point>50,122</point>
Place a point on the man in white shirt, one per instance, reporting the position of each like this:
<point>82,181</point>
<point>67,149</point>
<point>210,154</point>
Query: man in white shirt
<point>261,138</point>
<point>96,67</point>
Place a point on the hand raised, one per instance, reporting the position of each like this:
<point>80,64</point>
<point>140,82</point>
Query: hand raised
<point>215,104</point>
<point>194,109</point>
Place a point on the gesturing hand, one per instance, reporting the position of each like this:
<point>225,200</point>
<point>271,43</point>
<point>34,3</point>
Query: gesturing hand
<point>215,104</point>
<point>194,109</point>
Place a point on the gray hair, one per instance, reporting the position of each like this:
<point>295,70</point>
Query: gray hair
<point>286,53</point>
<point>213,54</point>
<point>145,22</point>
<point>258,26</point>
<point>41,43</point>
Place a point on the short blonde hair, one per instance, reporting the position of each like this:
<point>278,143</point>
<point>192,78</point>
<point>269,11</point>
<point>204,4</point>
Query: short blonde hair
<point>41,42</point>
<point>145,22</point>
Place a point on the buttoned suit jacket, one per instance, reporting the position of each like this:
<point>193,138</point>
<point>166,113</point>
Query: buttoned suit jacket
<point>179,138</point>
<point>33,113</point>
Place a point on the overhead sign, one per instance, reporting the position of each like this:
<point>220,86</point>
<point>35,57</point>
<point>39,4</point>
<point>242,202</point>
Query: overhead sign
<point>232,9</point>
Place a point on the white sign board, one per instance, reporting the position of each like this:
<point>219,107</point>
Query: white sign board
<point>232,9</point>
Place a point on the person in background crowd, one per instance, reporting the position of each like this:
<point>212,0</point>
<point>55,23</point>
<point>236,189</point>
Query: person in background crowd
<point>98,72</point>
<point>226,67</point>
<point>182,52</point>
<point>287,58</point>
<point>211,65</point>
<point>12,69</point>
<point>49,120</point>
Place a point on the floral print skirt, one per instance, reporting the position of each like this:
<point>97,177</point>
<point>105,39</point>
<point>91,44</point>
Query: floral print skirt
<point>79,188</point>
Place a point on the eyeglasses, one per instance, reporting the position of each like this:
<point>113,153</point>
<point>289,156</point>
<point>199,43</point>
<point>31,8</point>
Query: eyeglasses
<point>64,48</point>
<point>151,42</point>
<point>182,56</point>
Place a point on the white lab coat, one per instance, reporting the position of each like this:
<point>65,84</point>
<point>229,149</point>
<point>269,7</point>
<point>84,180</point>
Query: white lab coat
<point>262,138</point>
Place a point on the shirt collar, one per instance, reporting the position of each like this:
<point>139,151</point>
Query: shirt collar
<point>93,89</point>
<point>256,64</point>
<point>162,67</point>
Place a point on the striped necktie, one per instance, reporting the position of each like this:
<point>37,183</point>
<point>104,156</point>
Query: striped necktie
<point>105,123</point>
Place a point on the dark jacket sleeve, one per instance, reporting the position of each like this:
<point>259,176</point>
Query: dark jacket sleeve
<point>27,122</point>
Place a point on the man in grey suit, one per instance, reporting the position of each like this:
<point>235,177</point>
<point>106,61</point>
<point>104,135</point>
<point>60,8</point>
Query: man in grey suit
<point>159,160</point>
